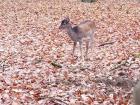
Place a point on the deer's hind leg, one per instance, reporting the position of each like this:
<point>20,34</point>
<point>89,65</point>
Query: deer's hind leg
<point>87,47</point>
<point>74,46</point>
<point>91,41</point>
<point>81,50</point>
<point>91,45</point>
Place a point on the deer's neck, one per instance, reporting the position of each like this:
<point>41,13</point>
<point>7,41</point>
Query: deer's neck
<point>69,27</point>
<point>69,30</point>
<point>72,33</point>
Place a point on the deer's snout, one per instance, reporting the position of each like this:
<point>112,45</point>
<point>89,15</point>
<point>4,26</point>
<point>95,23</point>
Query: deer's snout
<point>61,27</point>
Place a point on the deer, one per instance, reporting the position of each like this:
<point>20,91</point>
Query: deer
<point>80,33</point>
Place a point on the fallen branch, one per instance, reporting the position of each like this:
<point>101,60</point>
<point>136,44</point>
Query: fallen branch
<point>56,65</point>
<point>57,101</point>
<point>105,44</point>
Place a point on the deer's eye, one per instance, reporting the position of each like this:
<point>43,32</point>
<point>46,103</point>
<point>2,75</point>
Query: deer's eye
<point>64,23</point>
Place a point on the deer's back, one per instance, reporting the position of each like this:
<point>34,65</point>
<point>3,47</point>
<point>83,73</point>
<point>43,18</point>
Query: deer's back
<point>87,26</point>
<point>82,31</point>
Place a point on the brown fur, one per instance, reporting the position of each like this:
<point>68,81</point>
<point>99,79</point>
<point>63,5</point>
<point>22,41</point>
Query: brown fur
<point>87,26</point>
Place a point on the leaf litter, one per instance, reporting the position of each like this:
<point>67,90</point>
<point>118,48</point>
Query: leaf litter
<point>36,65</point>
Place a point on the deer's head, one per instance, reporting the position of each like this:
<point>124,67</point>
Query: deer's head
<point>64,23</point>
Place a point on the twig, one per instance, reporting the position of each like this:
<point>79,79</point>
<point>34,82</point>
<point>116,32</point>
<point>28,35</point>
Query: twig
<point>105,44</point>
<point>56,65</point>
<point>2,65</point>
<point>58,101</point>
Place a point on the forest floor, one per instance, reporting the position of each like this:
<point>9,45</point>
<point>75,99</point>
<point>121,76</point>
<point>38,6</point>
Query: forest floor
<point>36,65</point>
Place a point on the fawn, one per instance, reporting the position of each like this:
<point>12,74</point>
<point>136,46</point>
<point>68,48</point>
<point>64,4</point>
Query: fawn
<point>79,33</point>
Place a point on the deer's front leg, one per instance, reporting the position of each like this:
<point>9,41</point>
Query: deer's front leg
<point>74,46</point>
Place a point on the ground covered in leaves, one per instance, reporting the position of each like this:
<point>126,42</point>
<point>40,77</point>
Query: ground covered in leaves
<point>36,65</point>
